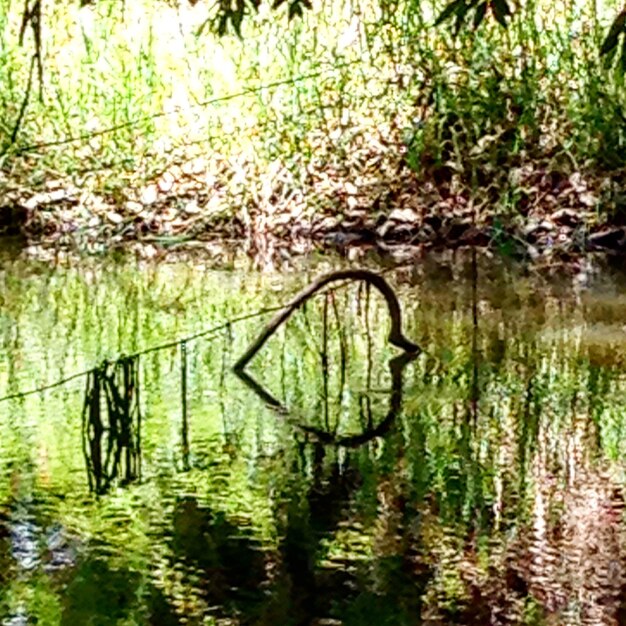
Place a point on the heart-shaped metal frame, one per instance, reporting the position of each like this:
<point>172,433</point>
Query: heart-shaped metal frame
<point>396,365</point>
<point>396,337</point>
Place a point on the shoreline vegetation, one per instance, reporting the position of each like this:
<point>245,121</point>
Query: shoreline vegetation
<point>357,127</point>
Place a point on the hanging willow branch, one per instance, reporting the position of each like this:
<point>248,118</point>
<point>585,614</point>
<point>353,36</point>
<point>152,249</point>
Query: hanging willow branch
<point>112,424</point>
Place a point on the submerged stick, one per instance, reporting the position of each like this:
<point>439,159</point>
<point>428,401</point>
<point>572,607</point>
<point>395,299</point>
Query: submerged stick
<point>396,337</point>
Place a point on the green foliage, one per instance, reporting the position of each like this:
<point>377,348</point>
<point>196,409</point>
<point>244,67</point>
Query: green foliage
<point>319,98</point>
<point>232,15</point>
<point>610,45</point>
<point>460,10</point>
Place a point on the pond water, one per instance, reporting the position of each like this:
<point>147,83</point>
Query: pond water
<point>479,482</point>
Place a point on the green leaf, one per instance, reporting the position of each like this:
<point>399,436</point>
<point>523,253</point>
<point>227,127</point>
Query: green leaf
<point>222,24</point>
<point>236,18</point>
<point>451,9</point>
<point>609,57</point>
<point>479,16</point>
<point>501,11</point>
<point>203,26</point>
<point>623,56</point>
<point>617,28</point>
<point>295,9</point>
<point>460,17</point>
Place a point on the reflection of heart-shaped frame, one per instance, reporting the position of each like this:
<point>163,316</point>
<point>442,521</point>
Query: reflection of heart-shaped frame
<point>396,365</point>
<point>396,337</point>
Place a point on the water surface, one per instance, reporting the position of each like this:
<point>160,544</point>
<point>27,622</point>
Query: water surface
<point>479,483</point>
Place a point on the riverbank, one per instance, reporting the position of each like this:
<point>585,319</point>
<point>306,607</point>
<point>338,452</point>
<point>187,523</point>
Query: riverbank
<point>356,131</point>
<point>203,206</point>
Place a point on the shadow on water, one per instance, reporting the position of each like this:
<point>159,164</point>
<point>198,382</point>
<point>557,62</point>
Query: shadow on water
<point>478,482</point>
